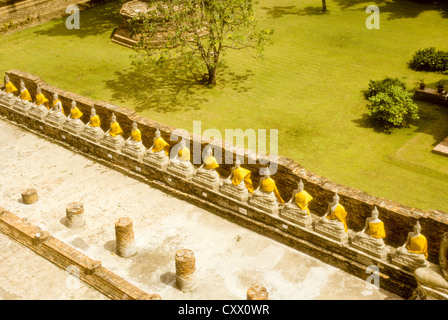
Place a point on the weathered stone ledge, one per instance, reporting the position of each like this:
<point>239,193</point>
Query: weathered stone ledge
<point>398,219</point>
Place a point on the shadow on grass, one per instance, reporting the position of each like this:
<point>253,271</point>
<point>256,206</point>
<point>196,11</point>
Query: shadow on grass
<point>399,9</point>
<point>151,87</point>
<point>93,21</point>
<point>433,121</point>
<point>280,11</point>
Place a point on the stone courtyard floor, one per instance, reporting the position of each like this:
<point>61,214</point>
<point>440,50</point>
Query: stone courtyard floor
<point>229,258</point>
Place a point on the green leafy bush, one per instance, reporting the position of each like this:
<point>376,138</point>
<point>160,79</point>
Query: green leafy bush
<point>390,104</point>
<point>429,59</point>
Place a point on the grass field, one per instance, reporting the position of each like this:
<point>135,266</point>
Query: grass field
<point>308,87</point>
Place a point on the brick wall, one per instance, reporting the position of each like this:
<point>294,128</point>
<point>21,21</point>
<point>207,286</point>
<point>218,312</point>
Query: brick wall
<point>398,219</point>
<point>63,255</point>
<point>32,9</point>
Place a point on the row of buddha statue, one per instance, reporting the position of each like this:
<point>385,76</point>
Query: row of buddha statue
<point>238,185</point>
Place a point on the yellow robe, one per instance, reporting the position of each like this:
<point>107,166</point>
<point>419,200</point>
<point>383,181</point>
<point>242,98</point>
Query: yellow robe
<point>136,135</point>
<point>76,113</point>
<point>239,174</point>
<point>9,87</point>
<point>303,198</point>
<point>376,230</point>
<point>340,214</point>
<point>115,129</point>
<point>25,95</point>
<point>268,185</point>
<point>211,163</point>
<point>184,154</point>
<point>418,245</point>
<point>95,121</point>
<point>40,99</point>
<point>62,109</point>
<point>159,145</point>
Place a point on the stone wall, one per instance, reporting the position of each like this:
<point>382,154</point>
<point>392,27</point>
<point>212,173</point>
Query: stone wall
<point>398,219</point>
<point>431,95</point>
<point>64,256</point>
<point>32,9</point>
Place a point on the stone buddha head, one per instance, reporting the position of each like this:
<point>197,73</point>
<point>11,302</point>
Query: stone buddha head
<point>182,144</point>
<point>375,213</point>
<point>38,90</point>
<point>265,172</point>
<point>55,96</point>
<point>417,228</point>
<point>22,85</point>
<point>157,133</point>
<point>113,118</point>
<point>92,112</point>
<point>134,126</point>
<point>237,162</point>
<point>300,186</point>
<point>6,78</point>
<point>73,106</point>
<point>336,198</point>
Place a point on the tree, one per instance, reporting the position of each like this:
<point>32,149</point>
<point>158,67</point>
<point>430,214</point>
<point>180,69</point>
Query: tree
<point>324,5</point>
<point>199,32</point>
<point>391,105</point>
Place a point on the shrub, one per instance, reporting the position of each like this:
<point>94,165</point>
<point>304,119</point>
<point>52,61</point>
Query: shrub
<point>390,104</point>
<point>429,59</point>
<point>377,86</point>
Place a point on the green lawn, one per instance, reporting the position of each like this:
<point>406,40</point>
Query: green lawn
<point>308,87</point>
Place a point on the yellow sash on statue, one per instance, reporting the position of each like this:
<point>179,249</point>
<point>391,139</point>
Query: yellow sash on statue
<point>268,185</point>
<point>40,99</point>
<point>115,129</point>
<point>303,198</point>
<point>159,145</point>
<point>211,163</point>
<point>136,135</point>
<point>184,154</point>
<point>95,121</point>
<point>76,113</point>
<point>9,87</point>
<point>340,214</point>
<point>418,244</point>
<point>239,174</point>
<point>376,230</point>
<point>25,95</point>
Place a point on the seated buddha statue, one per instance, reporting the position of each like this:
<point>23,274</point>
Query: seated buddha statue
<point>238,184</point>
<point>41,100</point>
<point>157,155</point>
<point>7,96</point>
<point>92,130</point>
<point>180,164</point>
<point>9,87</point>
<point>206,175</point>
<point>266,197</point>
<point>74,123</point>
<point>133,146</point>
<point>113,138</point>
<point>24,93</point>
<point>370,239</point>
<point>23,104</point>
<point>296,209</point>
<point>433,281</point>
<point>413,253</point>
<point>41,106</point>
<point>334,223</point>
<point>56,116</point>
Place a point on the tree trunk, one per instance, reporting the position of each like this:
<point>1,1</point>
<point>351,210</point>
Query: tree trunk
<point>324,5</point>
<point>212,75</point>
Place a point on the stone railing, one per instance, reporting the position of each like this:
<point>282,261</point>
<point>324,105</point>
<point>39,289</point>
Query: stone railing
<point>398,219</point>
